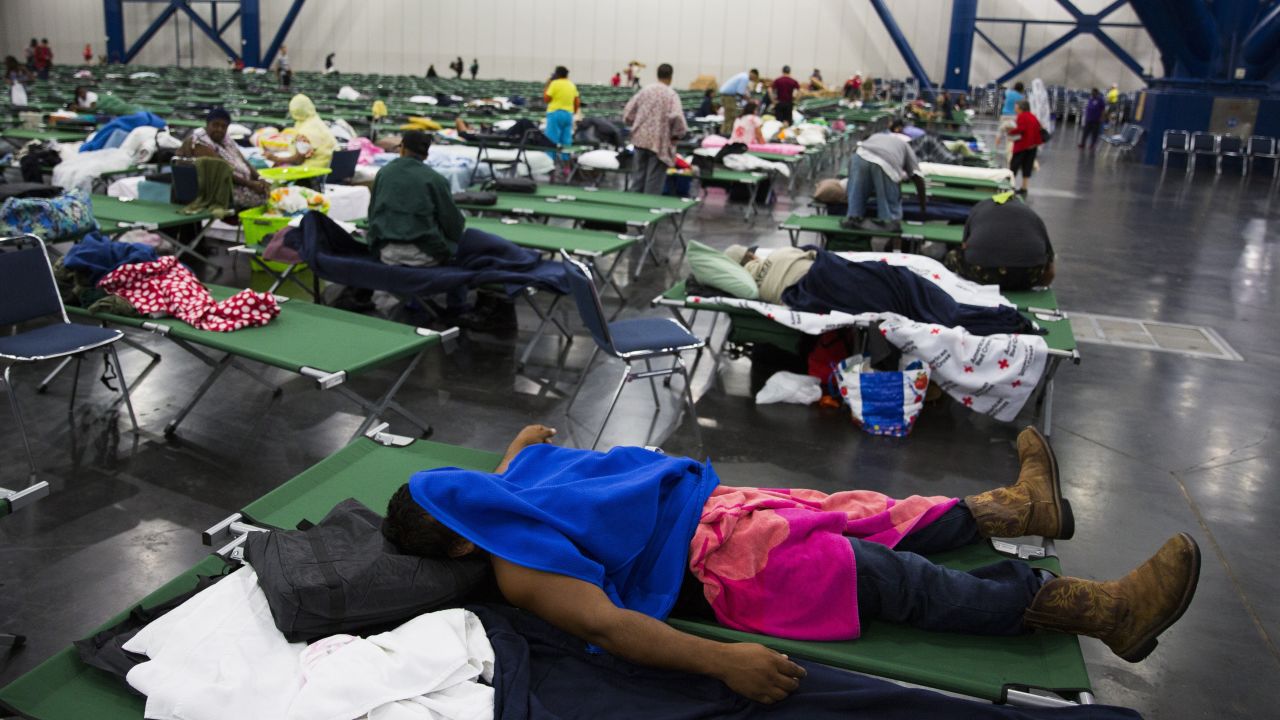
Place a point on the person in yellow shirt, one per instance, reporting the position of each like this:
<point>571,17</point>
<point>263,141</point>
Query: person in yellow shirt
<point>563,102</point>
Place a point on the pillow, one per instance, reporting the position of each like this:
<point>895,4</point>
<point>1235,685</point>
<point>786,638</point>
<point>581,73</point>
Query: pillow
<point>714,269</point>
<point>831,190</point>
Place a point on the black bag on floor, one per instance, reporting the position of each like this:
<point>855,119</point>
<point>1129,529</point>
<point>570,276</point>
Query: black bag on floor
<point>342,575</point>
<point>513,184</point>
<point>475,197</point>
<point>28,190</point>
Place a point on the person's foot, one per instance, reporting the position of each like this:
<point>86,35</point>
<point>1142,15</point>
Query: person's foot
<point>1032,506</point>
<point>1021,191</point>
<point>1127,614</point>
<point>852,223</point>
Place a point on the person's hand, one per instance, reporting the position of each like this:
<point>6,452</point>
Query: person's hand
<point>534,435</point>
<point>758,673</point>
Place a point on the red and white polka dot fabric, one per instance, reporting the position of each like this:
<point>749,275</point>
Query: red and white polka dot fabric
<point>168,287</point>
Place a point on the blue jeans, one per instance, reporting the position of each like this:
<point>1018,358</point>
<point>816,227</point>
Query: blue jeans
<point>865,177</point>
<point>900,586</point>
<point>560,131</point>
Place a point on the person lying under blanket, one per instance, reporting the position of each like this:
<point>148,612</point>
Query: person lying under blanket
<point>601,545</point>
<point>812,280</point>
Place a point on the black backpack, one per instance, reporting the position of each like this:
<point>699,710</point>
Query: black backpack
<point>342,575</point>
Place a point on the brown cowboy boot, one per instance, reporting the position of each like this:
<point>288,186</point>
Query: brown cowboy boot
<point>1126,614</point>
<point>1032,506</point>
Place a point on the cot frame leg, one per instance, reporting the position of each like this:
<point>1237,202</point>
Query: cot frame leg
<point>219,367</point>
<point>650,240</point>
<point>545,317</point>
<point>374,409</point>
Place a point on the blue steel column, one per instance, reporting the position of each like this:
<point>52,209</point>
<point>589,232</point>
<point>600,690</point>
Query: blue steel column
<point>113,11</point>
<point>283,32</point>
<point>900,41</point>
<point>964,16</point>
<point>250,33</point>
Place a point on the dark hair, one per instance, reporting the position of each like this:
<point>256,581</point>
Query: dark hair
<point>749,108</point>
<point>753,71</point>
<point>44,40</point>
<point>665,71</point>
<point>417,142</point>
<point>895,126</point>
<point>561,72</point>
<point>1095,91</point>
<point>1024,105</point>
<point>413,531</point>
<point>217,114</point>
<point>786,69</point>
<point>1018,86</point>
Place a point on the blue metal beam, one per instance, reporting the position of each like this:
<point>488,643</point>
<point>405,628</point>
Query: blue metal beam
<point>1081,23</point>
<point>250,33</point>
<point>978,31</point>
<point>150,32</point>
<point>1036,57</point>
<point>113,11</point>
<point>904,47</point>
<point>1121,54</point>
<point>283,32</point>
<point>222,30</point>
<point>964,14</point>
<point>209,31</point>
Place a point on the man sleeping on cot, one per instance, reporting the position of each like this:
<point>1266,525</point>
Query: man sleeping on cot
<point>604,545</point>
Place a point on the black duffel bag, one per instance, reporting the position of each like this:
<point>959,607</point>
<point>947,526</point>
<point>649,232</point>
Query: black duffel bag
<point>475,197</point>
<point>512,184</point>
<point>342,575</point>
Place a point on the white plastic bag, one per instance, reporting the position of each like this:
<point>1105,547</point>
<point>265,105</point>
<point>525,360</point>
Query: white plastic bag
<point>790,387</point>
<point>17,95</point>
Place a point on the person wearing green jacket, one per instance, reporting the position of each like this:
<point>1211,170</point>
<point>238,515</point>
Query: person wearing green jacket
<point>412,218</point>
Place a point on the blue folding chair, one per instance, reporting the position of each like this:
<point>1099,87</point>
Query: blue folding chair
<point>29,292</point>
<point>630,340</point>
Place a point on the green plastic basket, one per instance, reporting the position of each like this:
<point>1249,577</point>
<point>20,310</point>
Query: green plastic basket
<point>259,227</point>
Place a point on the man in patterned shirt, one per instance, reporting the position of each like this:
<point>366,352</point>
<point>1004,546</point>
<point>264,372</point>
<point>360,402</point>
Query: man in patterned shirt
<point>656,119</point>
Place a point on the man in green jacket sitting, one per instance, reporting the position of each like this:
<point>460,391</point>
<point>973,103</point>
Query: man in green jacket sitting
<point>412,218</point>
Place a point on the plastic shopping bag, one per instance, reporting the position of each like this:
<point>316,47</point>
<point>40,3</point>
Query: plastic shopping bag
<point>883,403</point>
<point>790,387</point>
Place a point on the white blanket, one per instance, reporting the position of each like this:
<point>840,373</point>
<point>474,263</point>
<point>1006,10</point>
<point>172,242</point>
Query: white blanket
<point>219,655</point>
<point>750,163</point>
<point>966,171</point>
<point>993,374</point>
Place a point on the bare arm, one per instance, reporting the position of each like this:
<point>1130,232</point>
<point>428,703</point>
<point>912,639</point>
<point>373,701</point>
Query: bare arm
<point>530,435</point>
<point>583,610</point>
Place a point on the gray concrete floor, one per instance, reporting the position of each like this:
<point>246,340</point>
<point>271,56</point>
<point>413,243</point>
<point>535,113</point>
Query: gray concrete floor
<point>1149,443</point>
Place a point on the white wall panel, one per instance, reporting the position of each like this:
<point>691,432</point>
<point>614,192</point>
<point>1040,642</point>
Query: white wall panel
<point>524,39</point>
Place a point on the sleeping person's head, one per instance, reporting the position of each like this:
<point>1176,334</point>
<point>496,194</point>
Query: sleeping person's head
<point>415,532</point>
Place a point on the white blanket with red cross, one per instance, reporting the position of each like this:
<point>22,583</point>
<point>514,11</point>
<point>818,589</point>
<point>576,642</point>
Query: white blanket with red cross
<point>993,374</point>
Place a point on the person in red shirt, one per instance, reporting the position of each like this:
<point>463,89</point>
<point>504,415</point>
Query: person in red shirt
<point>1026,136</point>
<point>784,95</point>
<point>43,58</point>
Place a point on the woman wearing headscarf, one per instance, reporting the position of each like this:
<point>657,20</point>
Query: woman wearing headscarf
<point>313,143</point>
<point>248,190</point>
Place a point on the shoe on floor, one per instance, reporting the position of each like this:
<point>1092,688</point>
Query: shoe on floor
<point>852,223</point>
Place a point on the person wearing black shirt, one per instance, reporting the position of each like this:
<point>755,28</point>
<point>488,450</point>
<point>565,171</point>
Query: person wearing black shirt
<point>1006,244</point>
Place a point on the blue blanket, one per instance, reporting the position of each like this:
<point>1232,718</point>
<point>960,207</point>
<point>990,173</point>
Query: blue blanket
<point>834,283</point>
<point>621,521</point>
<point>99,255</point>
<point>124,123</point>
<point>482,259</point>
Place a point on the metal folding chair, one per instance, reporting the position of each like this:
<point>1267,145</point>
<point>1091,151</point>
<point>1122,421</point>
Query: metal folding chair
<point>631,340</point>
<point>29,292</point>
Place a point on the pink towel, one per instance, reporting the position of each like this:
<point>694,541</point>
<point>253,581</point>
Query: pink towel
<point>777,561</point>
<point>715,141</point>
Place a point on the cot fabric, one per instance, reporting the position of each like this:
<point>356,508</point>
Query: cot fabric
<point>776,561</point>
<point>309,125</point>
<point>562,92</point>
<point>165,286</point>
<point>620,520</point>
<point>656,119</point>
